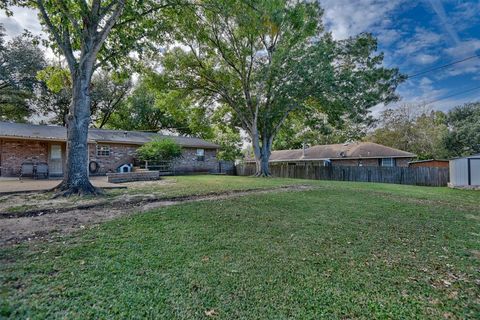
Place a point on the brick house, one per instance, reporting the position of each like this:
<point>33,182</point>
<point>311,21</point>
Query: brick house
<point>108,149</point>
<point>347,154</point>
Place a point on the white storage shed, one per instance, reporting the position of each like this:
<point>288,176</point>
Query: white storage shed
<point>465,172</point>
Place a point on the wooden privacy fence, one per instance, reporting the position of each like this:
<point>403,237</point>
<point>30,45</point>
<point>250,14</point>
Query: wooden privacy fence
<point>420,176</point>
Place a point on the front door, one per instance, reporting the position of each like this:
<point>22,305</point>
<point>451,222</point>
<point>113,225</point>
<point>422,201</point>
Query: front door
<point>55,163</point>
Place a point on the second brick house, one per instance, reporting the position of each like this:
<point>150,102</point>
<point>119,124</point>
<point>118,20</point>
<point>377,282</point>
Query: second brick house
<point>346,154</point>
<point>108,149</point>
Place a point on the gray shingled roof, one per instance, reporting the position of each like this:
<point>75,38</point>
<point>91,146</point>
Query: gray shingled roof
<point>58,133</point>
<point>356,150</point>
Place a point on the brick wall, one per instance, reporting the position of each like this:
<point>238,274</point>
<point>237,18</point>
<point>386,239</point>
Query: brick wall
<point>431,164</point>
<point>403,162</point>
<point>14,152</point>
<point>133,176</point>
<point>399,162</point>
<point>355,162</point>
<point>121,154</point>
<point>189,163</point>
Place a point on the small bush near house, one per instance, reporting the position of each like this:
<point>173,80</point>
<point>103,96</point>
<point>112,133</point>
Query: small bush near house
<point>160,150</point>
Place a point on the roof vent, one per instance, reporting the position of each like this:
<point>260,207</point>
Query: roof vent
<point>342,154</point>
<point>125,133</point>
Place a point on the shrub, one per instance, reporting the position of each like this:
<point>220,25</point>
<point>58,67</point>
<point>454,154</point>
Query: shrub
<point>159,150</point>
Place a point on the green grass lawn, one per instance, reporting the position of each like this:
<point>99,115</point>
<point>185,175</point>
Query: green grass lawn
<point>168,187</point>
<point>338,251</point>
<point>202,184</point>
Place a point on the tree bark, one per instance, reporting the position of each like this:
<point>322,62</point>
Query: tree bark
<point>97,22</point>
<point>262,151</point>
<point>76,180</point>
<point>264,167</point>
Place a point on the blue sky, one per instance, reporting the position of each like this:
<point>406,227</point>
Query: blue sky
<point>415,35</point>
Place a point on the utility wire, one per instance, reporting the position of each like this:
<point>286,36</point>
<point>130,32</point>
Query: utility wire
<point>442,66</point>
<point>454,94</point>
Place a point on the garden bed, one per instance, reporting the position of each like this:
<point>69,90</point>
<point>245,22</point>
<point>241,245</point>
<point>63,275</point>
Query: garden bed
<point>119,177</point>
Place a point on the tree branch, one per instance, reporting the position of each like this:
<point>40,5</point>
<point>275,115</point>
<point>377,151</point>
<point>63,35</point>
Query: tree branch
<point>73,21</point>
<point>151,10</point>
<point>102,35</point>
<point>67,50</point>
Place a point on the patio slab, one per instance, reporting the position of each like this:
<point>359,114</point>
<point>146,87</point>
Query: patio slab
<point>14,185</point>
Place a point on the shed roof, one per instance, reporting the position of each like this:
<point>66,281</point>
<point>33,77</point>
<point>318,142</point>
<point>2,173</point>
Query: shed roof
<point>356,150</point>
<point>429,160</point>
<point>473,156</point>
<point>58,133</point>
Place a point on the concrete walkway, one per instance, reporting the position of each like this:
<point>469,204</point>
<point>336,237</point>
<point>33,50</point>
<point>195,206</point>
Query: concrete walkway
<point>14,185</point>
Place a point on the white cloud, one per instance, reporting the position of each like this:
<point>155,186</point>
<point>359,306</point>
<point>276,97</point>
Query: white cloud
<point>463,50</point>
<point>423,40</point>
<point>388,37</point>
<point>417,92</point>
<point>427,91</point>
<point>423,91</point>
<point>423,58</point>
<point>23,18</point>
<point>465,15</point>
<point>444,20</point>
<point>346,18</point>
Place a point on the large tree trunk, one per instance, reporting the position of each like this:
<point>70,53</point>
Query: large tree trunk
<point>76,181</point>
<point>263,167</point>
<point>261,150</point>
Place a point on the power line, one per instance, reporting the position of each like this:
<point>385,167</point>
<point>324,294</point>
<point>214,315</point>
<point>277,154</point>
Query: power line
<point>454,94</point>
<point>442,66</point>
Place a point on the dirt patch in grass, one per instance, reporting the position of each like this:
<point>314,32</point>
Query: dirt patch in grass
<point>47,224</point>
<point>42,202</point>
<point>472,217</point>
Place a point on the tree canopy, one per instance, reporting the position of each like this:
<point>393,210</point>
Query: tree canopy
<point>428,133</point>
<point>160,150</point>
<point>108,91</point>
<point>464,134</point>
<point>412,128</point>
<point>310,127</point>
<point>152,108</point>
<point>20,60</point>
<point>267,59</point>
<point>91,34</point>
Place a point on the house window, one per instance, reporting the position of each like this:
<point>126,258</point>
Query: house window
<point>55,152</point>
<point>388,162</point>
<point>200,154</point>
<point>103,150</point>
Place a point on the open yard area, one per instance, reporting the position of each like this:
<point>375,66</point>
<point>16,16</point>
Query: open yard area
<point>244,248</point>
